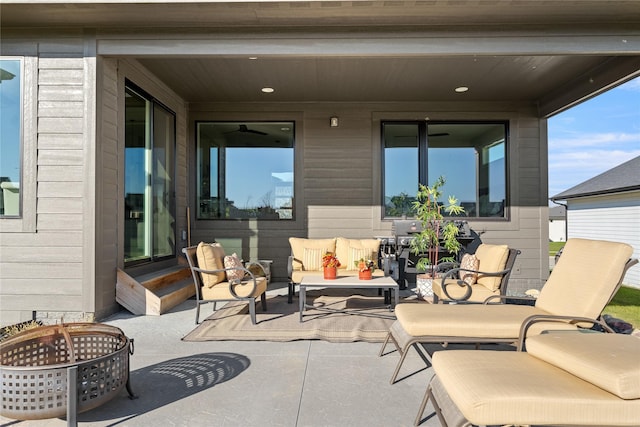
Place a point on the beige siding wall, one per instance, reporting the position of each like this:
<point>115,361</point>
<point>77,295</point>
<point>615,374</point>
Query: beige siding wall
<point>338,179</point>
<point>47,268</point>
<point>108,203</point>
<point>614,217</point>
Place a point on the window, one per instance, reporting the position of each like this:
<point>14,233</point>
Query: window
<point>469,155</point>
<point>245,170</point>
<point>149,204</point>
<point>10,136</point>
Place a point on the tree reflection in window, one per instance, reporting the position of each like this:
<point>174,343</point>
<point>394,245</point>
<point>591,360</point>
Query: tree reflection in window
<point>470,155</point>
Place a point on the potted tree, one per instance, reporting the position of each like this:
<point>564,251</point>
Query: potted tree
<point>436,232</point>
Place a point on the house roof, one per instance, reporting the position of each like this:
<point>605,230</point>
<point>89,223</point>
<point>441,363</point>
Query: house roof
<point>547,55</point>
<point>622,178</point>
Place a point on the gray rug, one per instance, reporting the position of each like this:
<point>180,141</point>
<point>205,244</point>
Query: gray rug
<point>366,319</point>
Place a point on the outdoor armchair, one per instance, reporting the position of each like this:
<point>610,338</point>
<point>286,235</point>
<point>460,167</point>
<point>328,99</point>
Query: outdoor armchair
<point>493,265</point>
<point>215,283</point>
<point>583,282</point>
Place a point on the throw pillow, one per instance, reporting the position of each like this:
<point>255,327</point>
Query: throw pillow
<point>312,259</point>
<point>210,256</point>
<point>355,254</point>
<point>232,261</point>
<point>469,262</point>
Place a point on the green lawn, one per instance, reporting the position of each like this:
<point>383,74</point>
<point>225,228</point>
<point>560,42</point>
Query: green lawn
<point>626,306</point>
<point>554,247</point>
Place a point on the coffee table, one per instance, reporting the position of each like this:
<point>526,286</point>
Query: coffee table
<point>350,282</point>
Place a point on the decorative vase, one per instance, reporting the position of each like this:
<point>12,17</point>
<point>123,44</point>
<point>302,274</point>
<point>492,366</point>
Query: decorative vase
<point>330,273</point>
<point>364,275</point>
<point>424,286</point>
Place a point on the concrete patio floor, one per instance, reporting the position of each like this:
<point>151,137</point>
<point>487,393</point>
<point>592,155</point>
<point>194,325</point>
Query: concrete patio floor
<point>234,383</point>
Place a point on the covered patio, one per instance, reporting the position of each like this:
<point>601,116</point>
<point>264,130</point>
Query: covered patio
<point>253,383</point>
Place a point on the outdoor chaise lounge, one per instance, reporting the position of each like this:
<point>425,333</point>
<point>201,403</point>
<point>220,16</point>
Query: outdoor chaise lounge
<point>216,280</point>
<point>564,378</point>
<point>583,282</point>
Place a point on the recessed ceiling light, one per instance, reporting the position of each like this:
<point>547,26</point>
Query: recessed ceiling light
<point>461,89</point>
<point>268,90</point>
<point>253,58</point>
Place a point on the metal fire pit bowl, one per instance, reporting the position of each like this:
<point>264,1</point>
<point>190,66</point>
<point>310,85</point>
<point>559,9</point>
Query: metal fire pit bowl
<point>50,371</point>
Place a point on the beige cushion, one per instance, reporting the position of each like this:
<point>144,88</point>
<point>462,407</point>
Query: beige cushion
<point>476,320</point>
<point>469,262</point>
<point>514,388</point>
<point>491,258</point>
<point>355,254</point>
<point>232,261</point>
<point>343,245</point>
<point>243,289</point>
<point>210,256</point>
<point>299,244</point>
<point>478,292</point>
<point>610,361</point>
<point>584,278</point>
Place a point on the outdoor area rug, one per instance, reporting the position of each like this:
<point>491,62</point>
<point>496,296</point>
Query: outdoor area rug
<point>367,319</point>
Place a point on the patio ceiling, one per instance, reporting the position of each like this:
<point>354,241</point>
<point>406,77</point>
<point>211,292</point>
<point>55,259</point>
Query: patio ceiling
<point>550,54</point>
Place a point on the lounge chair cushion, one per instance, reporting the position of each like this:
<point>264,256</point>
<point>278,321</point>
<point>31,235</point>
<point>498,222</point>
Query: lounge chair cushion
<point>503,387</point>
<point>491,258</point>
<point>475,320</point>
<point>575,287</point>
<point>344,246</point>
<point>298,246</point>
<point>479,293</point>
<point>210,256</point>
<point>610,361</point>
<point>243,289</point>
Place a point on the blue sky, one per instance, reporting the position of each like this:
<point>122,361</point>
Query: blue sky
<point>594,136</point>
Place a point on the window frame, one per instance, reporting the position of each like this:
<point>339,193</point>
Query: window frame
<point>197,187</point>
<point>423,160</point>
<point>26,221</point>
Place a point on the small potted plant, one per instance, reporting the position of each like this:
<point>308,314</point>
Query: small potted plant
<point>330,265</point>
<point>436,232</point>
<point>365,268</point>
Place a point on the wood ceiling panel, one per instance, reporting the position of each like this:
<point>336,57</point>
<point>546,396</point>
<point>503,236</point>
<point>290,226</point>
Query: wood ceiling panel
<point>366,79</point>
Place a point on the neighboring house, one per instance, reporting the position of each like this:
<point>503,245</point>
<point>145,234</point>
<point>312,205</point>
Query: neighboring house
<point>607,207</point>
<point>557,224</point>
<point>132,128</point>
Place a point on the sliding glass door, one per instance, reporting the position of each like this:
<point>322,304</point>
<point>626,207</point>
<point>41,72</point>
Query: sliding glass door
<point>149,232</point>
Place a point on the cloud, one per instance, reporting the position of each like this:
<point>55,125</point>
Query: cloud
<point>569,169</point>
<point>631,85</point>
<point>581,140</point>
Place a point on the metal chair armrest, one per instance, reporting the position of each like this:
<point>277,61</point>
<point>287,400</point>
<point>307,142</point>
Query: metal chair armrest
<point>537,318</point>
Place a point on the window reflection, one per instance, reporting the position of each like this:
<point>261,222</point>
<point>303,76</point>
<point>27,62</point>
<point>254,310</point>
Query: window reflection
<point>245,170</point>
<point>471,157</point>
<point>10,136</point>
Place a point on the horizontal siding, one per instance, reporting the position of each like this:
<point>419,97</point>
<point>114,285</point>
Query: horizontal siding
<point>46,270</point>
<point>610,217</point>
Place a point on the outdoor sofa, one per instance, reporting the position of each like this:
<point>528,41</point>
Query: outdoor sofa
<point>306,257</point>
